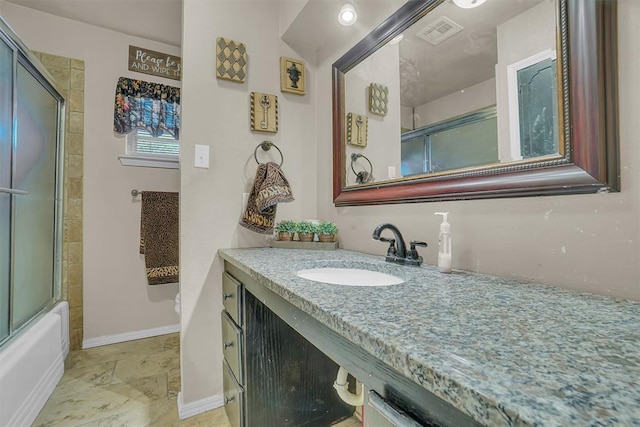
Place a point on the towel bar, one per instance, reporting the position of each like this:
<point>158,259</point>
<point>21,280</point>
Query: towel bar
<point>135,192</point>
<point>266,146</point>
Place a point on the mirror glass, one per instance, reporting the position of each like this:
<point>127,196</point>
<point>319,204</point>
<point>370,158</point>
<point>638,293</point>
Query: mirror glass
<point>462,89</point>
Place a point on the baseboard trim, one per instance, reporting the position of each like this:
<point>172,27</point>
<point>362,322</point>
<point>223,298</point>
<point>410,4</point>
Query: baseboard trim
<point>129,336</point>
<point>191,409</point>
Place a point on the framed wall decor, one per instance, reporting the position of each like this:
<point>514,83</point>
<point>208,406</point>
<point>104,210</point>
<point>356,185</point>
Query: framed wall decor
<point>378,99</point>
<point>292,75</point>
<point>357,129</point>
<point>231,60</point>
<point>264,112</point>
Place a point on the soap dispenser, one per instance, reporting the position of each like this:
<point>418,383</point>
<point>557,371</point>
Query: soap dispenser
<point>444,241</point>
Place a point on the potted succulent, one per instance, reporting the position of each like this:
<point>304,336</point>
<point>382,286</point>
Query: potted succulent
<point>327,231</point>
<point>306,231</point>
<point>286,229</point>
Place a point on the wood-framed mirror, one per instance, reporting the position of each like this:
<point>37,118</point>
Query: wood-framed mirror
<point>580,133</point>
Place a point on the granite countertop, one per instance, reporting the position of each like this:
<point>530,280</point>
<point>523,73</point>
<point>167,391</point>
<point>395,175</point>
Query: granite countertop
<point>505,352</point>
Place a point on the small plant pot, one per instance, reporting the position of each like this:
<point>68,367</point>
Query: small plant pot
<point>327,238</point>
<point>305,237</point>
<point>285,235</point>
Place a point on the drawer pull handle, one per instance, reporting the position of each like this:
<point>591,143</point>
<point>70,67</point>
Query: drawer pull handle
<point>227,345</point>
<point>227,400</point>
<point>227,296</point>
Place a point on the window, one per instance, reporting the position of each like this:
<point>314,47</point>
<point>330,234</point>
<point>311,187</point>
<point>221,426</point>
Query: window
<point>143,149</point>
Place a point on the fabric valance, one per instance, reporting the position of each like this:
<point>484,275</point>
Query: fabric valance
<point>144,105</point>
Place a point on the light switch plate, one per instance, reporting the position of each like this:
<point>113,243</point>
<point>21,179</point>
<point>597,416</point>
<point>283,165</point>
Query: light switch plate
<point>202,156</point>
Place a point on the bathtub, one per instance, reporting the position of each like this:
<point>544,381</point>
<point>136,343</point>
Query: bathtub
<point>31,365</point>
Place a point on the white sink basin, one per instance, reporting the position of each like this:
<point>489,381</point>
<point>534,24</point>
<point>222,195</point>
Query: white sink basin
<point>349,276</point>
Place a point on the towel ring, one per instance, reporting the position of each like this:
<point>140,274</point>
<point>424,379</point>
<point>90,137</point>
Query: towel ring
<point>266,146</point>
<point>362,177</point>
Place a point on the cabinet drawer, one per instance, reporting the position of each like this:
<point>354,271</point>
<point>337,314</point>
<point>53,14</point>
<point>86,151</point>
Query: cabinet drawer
<point>232,297</point>
<point>232,346</point>
<point>233,397</point>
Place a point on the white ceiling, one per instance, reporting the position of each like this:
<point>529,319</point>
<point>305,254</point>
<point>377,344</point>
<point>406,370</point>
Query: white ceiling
<point>159,20</point>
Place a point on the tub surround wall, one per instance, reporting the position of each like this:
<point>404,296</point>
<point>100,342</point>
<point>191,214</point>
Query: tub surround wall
<point>69,77</point>
<point>116,297</point>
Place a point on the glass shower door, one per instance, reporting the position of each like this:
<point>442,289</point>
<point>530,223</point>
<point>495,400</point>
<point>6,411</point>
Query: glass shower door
<point>6,100</point>
<point>35,172</point>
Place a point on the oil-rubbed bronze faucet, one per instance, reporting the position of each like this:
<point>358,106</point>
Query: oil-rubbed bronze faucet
<point>399,255</point>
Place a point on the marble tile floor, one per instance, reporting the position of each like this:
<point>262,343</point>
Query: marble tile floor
<point>131,384</point>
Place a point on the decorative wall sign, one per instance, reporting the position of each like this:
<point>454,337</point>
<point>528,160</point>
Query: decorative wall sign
<point>264,112</point>
<point>378,99</point>
<point>155,63</point>
<point>357,129</point>
<point>292,75</point>
<point>231,60</point>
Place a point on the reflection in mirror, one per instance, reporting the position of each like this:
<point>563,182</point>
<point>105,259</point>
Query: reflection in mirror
<point>466,89</point>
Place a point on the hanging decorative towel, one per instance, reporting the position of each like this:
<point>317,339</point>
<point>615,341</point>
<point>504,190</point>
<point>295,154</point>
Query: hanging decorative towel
<point>144,105</point>
<point>159,228</point>
<point>270,187</point>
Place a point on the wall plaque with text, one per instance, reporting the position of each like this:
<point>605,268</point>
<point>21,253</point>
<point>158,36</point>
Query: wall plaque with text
<point>155,63</point>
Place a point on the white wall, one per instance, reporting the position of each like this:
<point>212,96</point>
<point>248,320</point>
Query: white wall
<point>585,242</point>
<point>117,298</point>
<point>216,113</point>
<point>472,98</point>
<point>380,68</point>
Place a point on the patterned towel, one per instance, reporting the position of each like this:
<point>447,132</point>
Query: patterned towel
<point>159,229</point>
<point>270,187</point>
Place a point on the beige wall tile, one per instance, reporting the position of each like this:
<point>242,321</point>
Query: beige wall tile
<point>76,317</point>
<point>62,76</point>
<point>77,79</point>
<point>75,252</point>
<point>75,188</point>
<point>74,169</point>
<point>75,143</point>
<point>76,100</point>
<point>77,64</point>
<point>76,122</point>
<point>74,208</point>
<point>74,277</point>
<point>75,296</point>
<point>75,338</point>
<point>57,61</point>
<point>74,230</point>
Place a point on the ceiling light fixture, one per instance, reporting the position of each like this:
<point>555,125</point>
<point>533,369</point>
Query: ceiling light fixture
<point>347,15</point>
<point>468,4</point>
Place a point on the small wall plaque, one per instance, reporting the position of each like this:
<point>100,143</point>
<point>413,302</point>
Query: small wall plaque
<point>378,99</point>
<point>357,129</point>
<point>292,75</point>
<point>155,63</point>
<point>264,112</point>
<point>231,60</point>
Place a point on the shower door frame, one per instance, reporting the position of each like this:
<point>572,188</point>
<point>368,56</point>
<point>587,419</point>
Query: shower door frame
<point>23,56</point>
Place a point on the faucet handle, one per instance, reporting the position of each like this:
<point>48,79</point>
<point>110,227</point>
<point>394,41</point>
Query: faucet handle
<point>412,254</point>
<point>415,243</point>
<point>392,245</point>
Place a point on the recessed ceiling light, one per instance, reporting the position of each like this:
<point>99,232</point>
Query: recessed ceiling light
<point>468,4</point>
<point>347,15</point>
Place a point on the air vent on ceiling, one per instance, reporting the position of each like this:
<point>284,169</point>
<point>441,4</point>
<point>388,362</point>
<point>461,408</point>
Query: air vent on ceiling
<point>440,30</point>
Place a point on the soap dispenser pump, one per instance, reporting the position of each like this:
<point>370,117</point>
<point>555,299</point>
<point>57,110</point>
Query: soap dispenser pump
<point>444,241</point>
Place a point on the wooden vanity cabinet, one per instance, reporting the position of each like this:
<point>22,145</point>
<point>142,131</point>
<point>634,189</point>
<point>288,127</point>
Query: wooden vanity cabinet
<point>272,375</point>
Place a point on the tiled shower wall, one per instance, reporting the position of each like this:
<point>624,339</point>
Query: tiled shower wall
<point>69,76</point>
